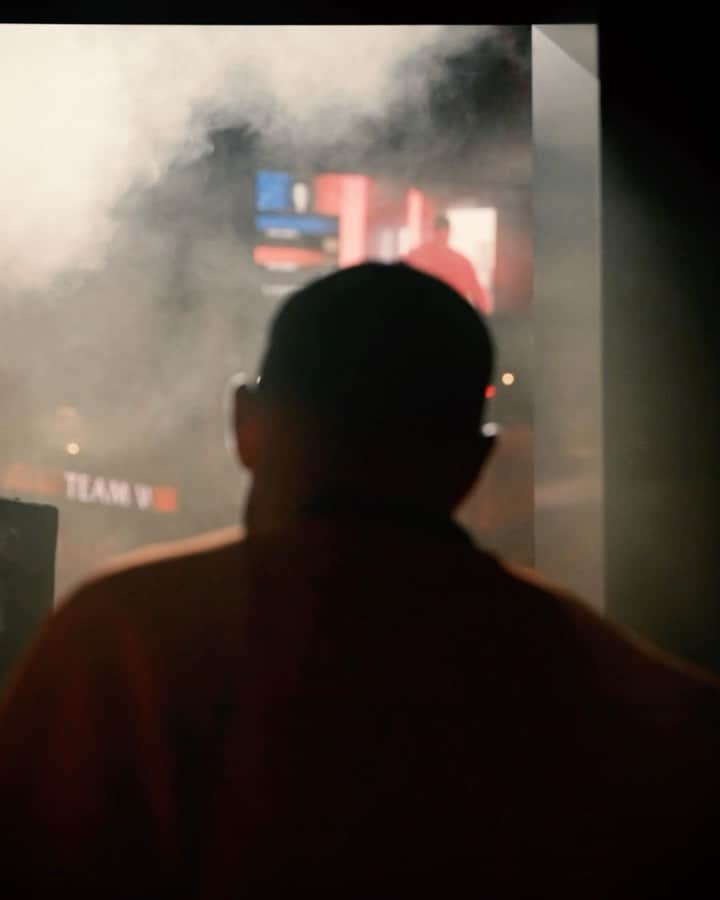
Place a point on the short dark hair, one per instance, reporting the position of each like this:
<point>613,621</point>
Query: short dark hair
<point>381,353</point>
<point>441,223</point>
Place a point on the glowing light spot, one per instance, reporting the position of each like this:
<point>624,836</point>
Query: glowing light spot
<point>72,448</point>
<point>508,378</point>
<point>490,391</point>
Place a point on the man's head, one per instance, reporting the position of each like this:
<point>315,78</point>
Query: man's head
<point>441,227</point>
<point>372,383</point>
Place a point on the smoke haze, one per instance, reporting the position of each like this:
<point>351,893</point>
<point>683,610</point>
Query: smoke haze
<point>90,112</point>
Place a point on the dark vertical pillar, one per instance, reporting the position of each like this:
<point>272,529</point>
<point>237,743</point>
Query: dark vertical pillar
<point>661,344</point>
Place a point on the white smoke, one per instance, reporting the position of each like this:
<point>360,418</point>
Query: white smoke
<point>90,112</point>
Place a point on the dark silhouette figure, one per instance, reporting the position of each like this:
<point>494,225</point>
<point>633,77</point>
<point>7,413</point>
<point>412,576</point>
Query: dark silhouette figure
<point>353,700</point>
<point>437,258</point>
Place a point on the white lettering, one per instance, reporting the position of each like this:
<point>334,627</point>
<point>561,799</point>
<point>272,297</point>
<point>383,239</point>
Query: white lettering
<point>83,481</point>
<point>119,493</point>
<point>85,488</point>
<point>143,495</point>
<point>71,485</point>
<point>99,492</point>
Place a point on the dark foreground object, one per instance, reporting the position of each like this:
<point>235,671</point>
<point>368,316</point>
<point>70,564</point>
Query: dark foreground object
<point>28,537</point>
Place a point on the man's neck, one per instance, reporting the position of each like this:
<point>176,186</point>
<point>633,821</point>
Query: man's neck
<point>339,503</point>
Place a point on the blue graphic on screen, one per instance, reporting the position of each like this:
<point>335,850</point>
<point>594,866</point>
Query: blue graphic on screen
<point>273,191</point>
<point>303,224</point>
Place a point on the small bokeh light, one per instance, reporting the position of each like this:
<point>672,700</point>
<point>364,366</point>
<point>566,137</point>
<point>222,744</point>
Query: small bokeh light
<point>508,378</point>
<point>72,448</point>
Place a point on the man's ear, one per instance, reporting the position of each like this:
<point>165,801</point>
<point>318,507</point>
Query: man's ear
<point>486,447</point>
<point>469,464</point>
<point>248,427</point>
<point>483,447</point>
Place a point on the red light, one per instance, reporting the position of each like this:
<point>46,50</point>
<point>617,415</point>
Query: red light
<point>165,498</point>
<point>490,391</point>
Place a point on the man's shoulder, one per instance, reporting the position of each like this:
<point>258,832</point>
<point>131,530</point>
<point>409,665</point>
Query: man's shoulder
<point>606,657</point>
<point>170,570</point>
<point>196,548</point>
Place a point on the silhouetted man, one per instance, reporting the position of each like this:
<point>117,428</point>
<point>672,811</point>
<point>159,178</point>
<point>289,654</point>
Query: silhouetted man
<point>354,701</point>
<point>437,258</point>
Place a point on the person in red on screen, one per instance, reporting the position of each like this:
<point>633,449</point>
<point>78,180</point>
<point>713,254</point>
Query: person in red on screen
<point>436,257</point>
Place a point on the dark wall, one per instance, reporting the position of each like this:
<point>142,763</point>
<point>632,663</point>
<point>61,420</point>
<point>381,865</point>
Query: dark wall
<point>662,332</point>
